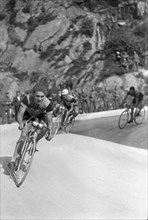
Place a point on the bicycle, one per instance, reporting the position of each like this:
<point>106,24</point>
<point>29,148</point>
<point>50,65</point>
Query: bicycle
<point>138,116</point>
<point>24,160</point>
<point>57,119</point>
<point>69,121</point>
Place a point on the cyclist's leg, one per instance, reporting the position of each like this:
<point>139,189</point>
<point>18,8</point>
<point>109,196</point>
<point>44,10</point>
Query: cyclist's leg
<point>139,106</point>
<point>74,112</point>
<point>133,104</point>
<point>42,132</point>
<point>64,116</point>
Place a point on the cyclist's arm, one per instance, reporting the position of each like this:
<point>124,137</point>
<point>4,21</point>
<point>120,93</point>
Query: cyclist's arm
<point>124,99</point>
<point>49,119</point>
<point>20,115</point>
<point>49,115</point>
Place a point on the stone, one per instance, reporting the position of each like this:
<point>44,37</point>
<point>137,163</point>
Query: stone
<point>20,33</point>
<point>22,17</point>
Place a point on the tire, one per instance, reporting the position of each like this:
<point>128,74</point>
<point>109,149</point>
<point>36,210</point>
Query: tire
<point>69,125</point>
<point>25,162</point>
<point>139,118</point>
<point>123,119</point>
<point>56,125</point>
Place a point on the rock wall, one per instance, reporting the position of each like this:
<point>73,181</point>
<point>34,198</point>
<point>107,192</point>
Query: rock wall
<point>52,37</point>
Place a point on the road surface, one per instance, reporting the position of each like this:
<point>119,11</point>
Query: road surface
<point>79,177</point>
<point>107,129</point>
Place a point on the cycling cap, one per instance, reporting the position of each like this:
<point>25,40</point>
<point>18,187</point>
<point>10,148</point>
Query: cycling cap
<point>64,92</point>
<point>39,87</point>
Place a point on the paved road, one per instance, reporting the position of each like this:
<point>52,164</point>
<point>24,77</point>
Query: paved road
<point>78,177</point>
<point>107,129</point>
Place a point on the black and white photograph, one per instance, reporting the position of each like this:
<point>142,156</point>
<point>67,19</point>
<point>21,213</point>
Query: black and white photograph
<point>73,109</point>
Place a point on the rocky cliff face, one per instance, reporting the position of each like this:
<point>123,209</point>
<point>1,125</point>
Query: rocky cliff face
<point>56,39</point>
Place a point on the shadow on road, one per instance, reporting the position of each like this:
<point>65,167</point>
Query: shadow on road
<point>4,164</point>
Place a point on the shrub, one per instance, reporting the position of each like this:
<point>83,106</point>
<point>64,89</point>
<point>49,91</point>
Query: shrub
<point>34,77</point>
<point>21,76</point>
<point>120,40</point>
<point>26,9</point>
<point>2,16</point>
<point>141,30</point>
<point>111,68</point>
<point>125,40</point>
<point>10,5</point>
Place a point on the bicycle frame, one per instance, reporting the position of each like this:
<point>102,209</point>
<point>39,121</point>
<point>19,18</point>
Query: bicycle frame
<point>23,163</point>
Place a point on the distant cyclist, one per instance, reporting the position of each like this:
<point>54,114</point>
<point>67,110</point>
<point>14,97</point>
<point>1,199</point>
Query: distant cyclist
<point>70,102</point>
<point>136,102</point>
<point>35,105</point>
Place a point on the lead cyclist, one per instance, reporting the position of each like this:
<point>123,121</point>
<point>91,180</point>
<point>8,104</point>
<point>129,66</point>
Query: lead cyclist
<point>35,105</point>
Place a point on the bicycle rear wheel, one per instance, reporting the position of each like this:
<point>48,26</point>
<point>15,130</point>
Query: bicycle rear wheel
<point>123,119</point>
<point>69,125</point>
<point>25,161</point>
<point>56,125</point>
<point>139,115</point>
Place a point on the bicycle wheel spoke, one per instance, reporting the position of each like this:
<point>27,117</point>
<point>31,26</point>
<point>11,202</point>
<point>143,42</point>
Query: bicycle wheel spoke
<point>123,119</point>
<point>56,126</point>
<point>25,163</point>
<point>139,116</point>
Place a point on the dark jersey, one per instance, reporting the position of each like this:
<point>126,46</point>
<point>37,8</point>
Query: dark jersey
<point>34,109</point>
<point>67,100</point>
<point>136,96</point>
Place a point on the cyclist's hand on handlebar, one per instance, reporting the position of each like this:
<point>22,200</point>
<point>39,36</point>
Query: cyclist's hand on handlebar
<point>121,106</point>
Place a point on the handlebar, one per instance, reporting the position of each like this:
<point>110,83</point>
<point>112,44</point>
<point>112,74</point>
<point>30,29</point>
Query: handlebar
<point>36,123</point>
<point>128,105</point>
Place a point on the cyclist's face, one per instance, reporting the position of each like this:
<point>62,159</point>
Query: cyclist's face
<point>39,96</point>
<point>132,92</point>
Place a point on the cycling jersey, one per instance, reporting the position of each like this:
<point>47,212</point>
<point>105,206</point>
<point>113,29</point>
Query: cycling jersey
<point>136,96</point>
<point>67,100</point>
<point>34,109</point>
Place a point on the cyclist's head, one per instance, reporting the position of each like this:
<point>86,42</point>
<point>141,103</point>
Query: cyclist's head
<point>64,92</point>
<point>39,92</point>
<point>17,93</point>
<point>132,90</point>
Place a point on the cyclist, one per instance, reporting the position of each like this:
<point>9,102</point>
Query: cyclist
<point>70,103</point>
<point>35,105</point>
<point>136,102</point>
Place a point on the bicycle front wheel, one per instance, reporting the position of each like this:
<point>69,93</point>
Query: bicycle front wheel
<point>69,125</point>
<point>25,162</point>
<point>123,119</point>
<point>139,115</point>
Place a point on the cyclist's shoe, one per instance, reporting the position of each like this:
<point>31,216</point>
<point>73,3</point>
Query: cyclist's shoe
<point>11,165</point>
<point>130,121</point>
